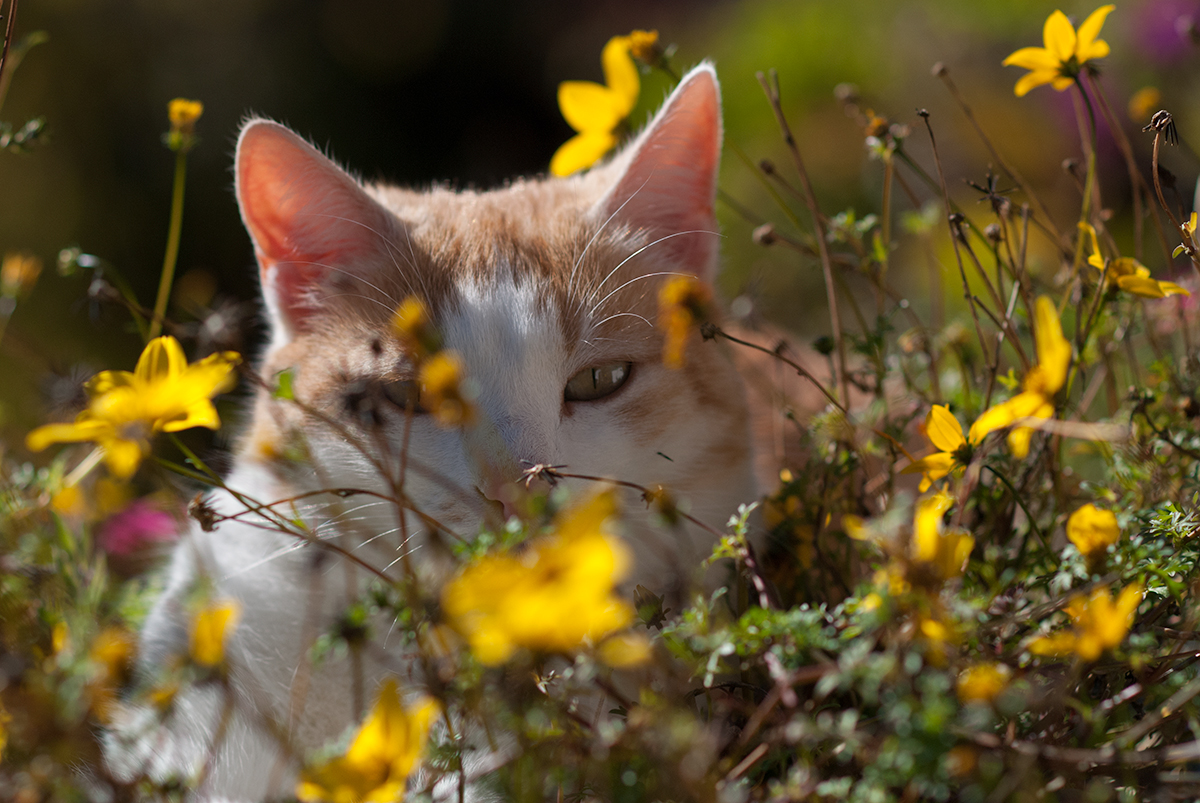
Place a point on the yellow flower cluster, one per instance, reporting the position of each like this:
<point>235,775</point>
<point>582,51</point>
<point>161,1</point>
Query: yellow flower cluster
<point>683,301</point>
<point>183,114</point>
<point>444,391</point>
<point>1065,53</point>
<point>554,595</point>
<point>1099,623</point>
<point>163,394</point>
<point>384,752</point>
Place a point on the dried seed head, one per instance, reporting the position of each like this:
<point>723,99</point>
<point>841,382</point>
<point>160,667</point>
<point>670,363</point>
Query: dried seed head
<point>994,233</point>
<point>764,235</point>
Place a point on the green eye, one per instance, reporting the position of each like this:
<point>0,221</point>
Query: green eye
<point>597,382</point>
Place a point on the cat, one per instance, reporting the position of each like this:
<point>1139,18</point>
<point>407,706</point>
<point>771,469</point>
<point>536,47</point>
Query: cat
<point>547,289</point>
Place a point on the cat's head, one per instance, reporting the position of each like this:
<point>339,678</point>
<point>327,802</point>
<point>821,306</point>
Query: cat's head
<point>548,290</point>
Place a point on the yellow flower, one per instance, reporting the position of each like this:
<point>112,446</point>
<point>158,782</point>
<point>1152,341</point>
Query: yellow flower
<point>111,652</point>
<point>1041,383</point>
<point>644,46</point>
<point>1143,103</point>
<point>553,595</point>
<point>211,627</point>
<point>184,113</point>
<point>596,111</point>
<point>5,718</point>
<point>682,302</point>
<point>944,432</point>
<point>19,273</point>
<point>1099,624</point>
<point>414,330</point>
<point>376,766</point>
<point>1092,531</point>
<point>163,394</point>
<point>983,682</point>
<point>944,552</point>
<point>1064,54</point>
<point>1130,275</point>
<point>442,391</point>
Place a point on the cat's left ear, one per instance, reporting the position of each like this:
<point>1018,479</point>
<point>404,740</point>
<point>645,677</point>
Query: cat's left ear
<point>667,182</point>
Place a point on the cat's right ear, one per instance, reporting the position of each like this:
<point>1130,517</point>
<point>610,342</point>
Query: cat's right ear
<point>309,220</point>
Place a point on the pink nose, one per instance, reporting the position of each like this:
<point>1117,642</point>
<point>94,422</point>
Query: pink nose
<point>504,494</point>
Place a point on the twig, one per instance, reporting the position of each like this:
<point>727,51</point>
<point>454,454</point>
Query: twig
<point>771,88</point>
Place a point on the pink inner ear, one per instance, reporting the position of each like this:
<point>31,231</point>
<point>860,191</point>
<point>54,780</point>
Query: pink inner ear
<point>306,217</point>
<point>669,185</point>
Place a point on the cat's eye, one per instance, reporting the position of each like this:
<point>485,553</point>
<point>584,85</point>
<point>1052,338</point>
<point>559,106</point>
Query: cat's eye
<point>403,392</point>
<point>597,382</point>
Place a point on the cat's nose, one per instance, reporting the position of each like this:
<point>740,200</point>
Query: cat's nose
<point>501,495</point>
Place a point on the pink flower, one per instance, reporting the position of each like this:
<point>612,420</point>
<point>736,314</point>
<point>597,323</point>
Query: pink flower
<point>140,523</point>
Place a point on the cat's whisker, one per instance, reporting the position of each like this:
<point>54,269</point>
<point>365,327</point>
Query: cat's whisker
<point>402,557</point>
<point>354,276</point>
<point>634,280</point>
<point>393,251</point>
<point>599,231</point>
<point>621,264</point>
<point>621,315</point>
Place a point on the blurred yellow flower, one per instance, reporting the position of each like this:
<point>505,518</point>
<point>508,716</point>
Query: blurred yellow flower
<point>944,432</point>
<point>597,111</point>
<point>163,394</point>
<point>983,682</point>
<point>1129,274</point>
<point>553,595</point>
<point>376,766</point>
<point>943,551</point>
<point>1066,51</point>
<point>18,273</point>
<point>110,653</point>
<point>644,46</point>
<point>184,113</point>
<point>442,391</point>
<point>211,627</point>
<point>683,301</point>
<point>412,326</point>
<point>1092,531</point>
<point>1143,103</point>
<point>1099,624</point>
<point>1041,383</point>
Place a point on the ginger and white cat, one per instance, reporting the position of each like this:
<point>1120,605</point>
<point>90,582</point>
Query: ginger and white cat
<point>547,288</point>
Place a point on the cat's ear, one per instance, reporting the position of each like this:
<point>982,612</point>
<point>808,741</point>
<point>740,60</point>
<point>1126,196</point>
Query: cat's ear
<point>667,180</point>
<point>311,223</point>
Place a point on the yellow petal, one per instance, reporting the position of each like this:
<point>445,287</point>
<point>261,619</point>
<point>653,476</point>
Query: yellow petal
<point>581,151</point>
<point>1059,36</point>
<point>1061,83</point>
<point>210,628</point>
<point>589,107</point>
<point>1033,58</point>
<point>1141,286</point>
<point>927,523</point>
<point>163,357</point>
<point>1092,530</point>
<point>200,414</point>
<point>934,467</point>
<point>124,456</point>
<point>621,74</point>
<point>1096,259</point>
<point>81,430</point>
<point>1034,79</point>
<point>626,649</point>
<point>997,417</point>
<point>1172,289</point>
<point>1053,350</point>
<point>1087,46</point>
<point>943,429</point>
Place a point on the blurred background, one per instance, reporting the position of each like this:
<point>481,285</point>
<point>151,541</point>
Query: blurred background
<point>463,91</point>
